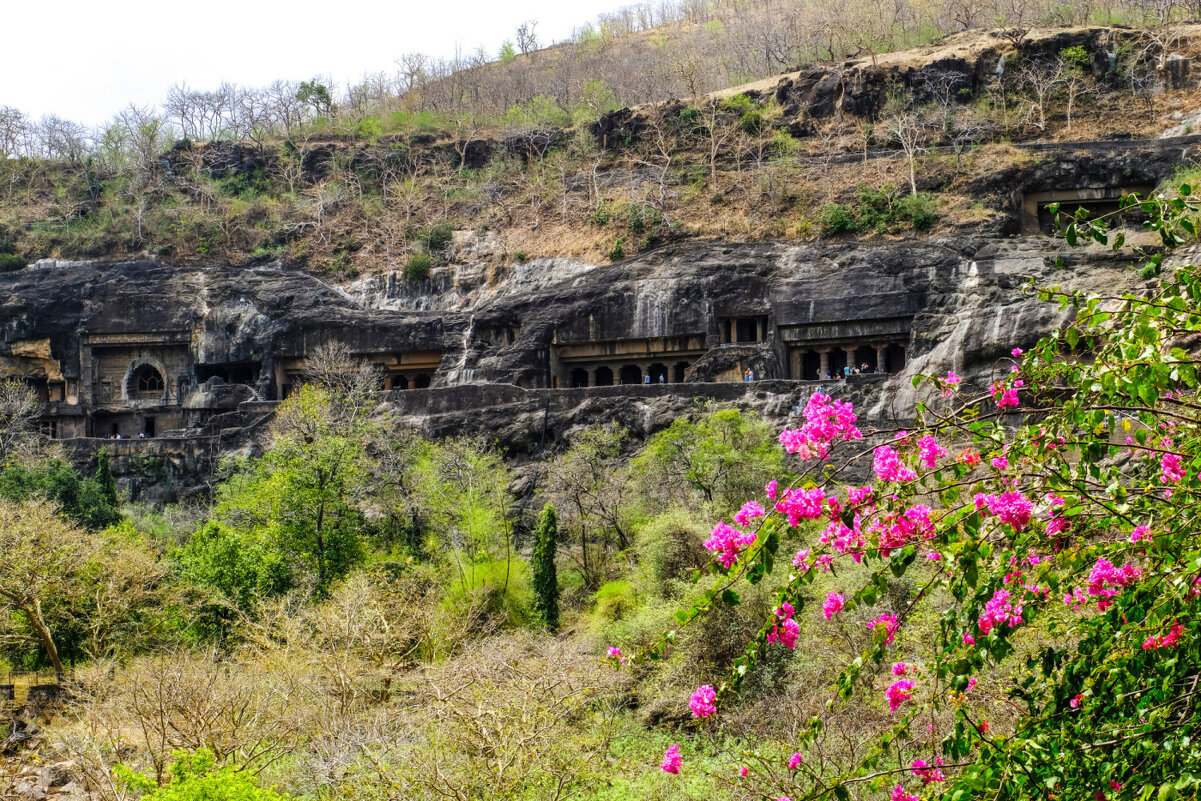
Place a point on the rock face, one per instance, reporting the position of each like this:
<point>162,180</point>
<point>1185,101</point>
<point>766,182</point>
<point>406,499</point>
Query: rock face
<point>183,365</point>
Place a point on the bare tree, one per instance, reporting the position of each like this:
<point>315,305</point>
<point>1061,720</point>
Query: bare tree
<point>527,38</point>
<point>351,381</point>
<point>14,131</point>
<point>910,129</point>
<point>19,412</point>
<point>1041,80</point>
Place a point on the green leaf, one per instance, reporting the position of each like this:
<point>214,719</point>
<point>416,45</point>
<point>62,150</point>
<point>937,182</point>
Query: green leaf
<point>730,597</point>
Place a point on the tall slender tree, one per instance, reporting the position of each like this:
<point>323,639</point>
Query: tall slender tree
<point>546,581</point>
<point>104,475</point>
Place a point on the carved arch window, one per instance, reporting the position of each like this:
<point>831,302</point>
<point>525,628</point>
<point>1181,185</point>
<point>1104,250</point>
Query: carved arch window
<point>146,383</point>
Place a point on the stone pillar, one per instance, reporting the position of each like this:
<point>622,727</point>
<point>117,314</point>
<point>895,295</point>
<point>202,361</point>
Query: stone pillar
<point>881,358</point>
<point>761,330</point>
<point>824,367</point>
<point>796,363</point>
<point>850,352</point>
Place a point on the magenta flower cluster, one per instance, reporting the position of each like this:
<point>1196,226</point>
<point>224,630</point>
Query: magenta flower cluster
<point>898,693</point>
<point>827,421</point>
<point>889,467</point>
<point>1012,508</point>
<point>727,542</point>
<point>703,701</point>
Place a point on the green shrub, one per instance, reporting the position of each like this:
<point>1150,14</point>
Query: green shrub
<point>835,219</point>
<point>498,587</point>
<point>196,777</point>
<point>86,501</point>
<point>439,236</point>
<point>669,546</point>
<point>11,262</point>
<point>600,216</point>
<point>751,123</point>
<point>521,257</point>
<point>417,268</point>
<point>918,211</point>
<point>783,144</point>
<point>618,251</point>
<point>614,601</point>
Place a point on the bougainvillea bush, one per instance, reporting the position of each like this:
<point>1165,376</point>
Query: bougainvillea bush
<point>1049,522</point>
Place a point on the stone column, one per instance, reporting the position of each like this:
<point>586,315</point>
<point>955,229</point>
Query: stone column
<point>850,352</point>
<point>824,367</point>
<point>881,358</point>
<point>761,330</point>
<point>796,363</point>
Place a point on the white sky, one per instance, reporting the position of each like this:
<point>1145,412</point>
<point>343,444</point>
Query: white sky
<point>85,59</point>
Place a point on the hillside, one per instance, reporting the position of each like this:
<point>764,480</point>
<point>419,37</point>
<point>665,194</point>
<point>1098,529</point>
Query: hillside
<point>774,160</point>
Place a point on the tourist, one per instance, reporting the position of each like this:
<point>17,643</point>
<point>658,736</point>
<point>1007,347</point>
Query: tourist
<point>646,379</point>
<point>746,377</point>
<point>662,378</point>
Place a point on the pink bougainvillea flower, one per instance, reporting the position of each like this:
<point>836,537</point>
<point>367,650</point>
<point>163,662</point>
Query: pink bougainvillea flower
<point>969,457</point>
<point>889,467</point>
<point>795,761</point>
<point>1140,533</point>
<point>834,604</point>
<point>1016,353</point>
<point>1001,609</point>
<point>890,625</point>
<point>1013,508</point>
<point>951,383</point>
<point>770,490</point>
<point>928,774</point>
<point>929,451</point>
<point>1170,469</point>
<point>702,701</point>
<point>826,422</point>
<point>726,542</point>
<point>1168,640</point>
<point>898,693</point>
<point>899,794</point>
<point>672,762</point>
<point>968,639</point>
<point>742,771</point>
<point>614,651</point>
<point>802,504</point>
<point>1000,462</point>
<point>749,511</point>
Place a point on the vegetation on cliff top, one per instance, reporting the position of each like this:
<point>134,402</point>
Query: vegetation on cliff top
<point>367,178</point>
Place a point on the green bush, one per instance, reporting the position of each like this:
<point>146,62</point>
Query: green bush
<point>614,601</point>
<point>918,211</point>
<point>752,123</point>
<point>835,219</point>
<point>600,216</point>
<point>85,501</point>
<point>439,236</point>
<point>196,777</point>
<point>498,587</point>
<point>417,268</point>
<point>618,251</point>
<point>669,547</point>
<point>11,262</point>
<point>521,257</point>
